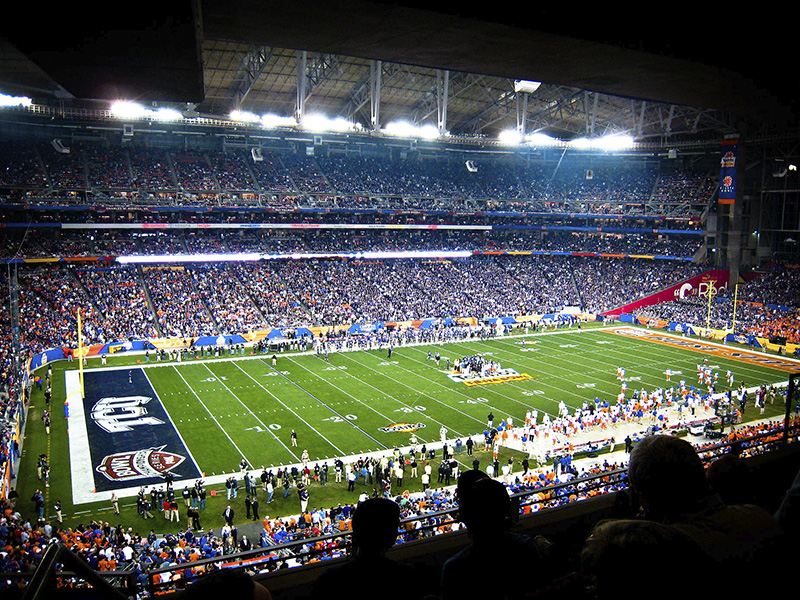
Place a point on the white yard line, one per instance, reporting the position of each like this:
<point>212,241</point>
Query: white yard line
<point>212,416</point>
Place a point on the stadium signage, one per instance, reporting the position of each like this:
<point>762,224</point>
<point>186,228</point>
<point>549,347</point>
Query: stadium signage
<point>139,464</point>
<point>727,174</point>
<point>122,414</point>
<point>707,348</point>
<point>708,283</point>
<point>501,376</point>
<point>402,427</point>
<point>505,379</point>
<point>128,434</point>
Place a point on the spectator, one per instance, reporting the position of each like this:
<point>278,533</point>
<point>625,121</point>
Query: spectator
<point>227,583</point>
<point>639,546</point>
<point>739,540</point>
<point>369,573</point>
<point>485,509</point>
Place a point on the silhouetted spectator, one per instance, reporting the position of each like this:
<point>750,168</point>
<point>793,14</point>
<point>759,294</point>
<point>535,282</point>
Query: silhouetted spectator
<point>485,509</point>
<point>668,481</point>
<point>369,573</point>
<point>623,554</point>
<point>227,584</point>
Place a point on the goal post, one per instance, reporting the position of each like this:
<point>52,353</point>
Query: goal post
<point>80,354</point>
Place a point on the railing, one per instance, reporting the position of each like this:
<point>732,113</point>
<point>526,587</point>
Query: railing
<point>311,549</point>
<point>528,501</point>
<point>61,569</point>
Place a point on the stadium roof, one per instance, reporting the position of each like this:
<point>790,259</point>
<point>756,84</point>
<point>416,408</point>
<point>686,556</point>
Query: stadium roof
<point>667,72</point>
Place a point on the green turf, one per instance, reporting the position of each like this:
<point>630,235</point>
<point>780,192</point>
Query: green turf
<point>228,408</point>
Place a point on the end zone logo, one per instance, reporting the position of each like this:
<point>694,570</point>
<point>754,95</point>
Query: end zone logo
<point>139,464</point>
<point>117,414</point>
<point>402,428</point>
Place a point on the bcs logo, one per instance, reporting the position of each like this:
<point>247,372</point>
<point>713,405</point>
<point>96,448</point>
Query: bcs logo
<point>139,464</point>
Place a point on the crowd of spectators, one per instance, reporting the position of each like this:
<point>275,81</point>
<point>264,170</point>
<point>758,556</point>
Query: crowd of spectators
<point>193,171</point>
<point>227,299</point>
<point>179,308</point>
<point>120,303</point>
<point>54,243</point>
<point>282,179</point>
<point>119,296</point>
<point>606,283</point>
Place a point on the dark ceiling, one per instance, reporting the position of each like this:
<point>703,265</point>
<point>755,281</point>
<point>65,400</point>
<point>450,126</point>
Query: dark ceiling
<point>675,53</point>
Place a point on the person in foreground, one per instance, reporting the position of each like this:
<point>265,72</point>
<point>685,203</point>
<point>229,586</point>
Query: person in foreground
<point>225,583</point>
<point>740,541</point>
<point>369,573</point>
<point>485,509</point>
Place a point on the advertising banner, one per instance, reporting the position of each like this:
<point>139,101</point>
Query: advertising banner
<point>697,286</point>
<point>727,174</point>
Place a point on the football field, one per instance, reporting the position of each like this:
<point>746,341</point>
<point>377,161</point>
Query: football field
<point>201,417</point>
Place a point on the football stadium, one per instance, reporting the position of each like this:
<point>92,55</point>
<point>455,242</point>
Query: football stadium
<point>388,296</point>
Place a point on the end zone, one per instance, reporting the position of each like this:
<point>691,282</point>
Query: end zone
<point>120,436</point>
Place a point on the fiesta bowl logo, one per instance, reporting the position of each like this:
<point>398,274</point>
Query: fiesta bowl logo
<point>139,464</point>
<point>402,428</point>
<point>740,339</point>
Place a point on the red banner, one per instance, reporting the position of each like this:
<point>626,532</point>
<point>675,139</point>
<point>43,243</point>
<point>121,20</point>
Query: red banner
<point>699,285</point>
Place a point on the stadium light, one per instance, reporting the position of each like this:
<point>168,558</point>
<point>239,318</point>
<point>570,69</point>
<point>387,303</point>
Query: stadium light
<point>321,123</point>
<point>272,121</point>
<point>511,137</point>
<point>127,110</point>
<point>10,101</point>
<point>522,85</point>
<point>243,116</point>
<point>399,128</point>
<point>268,121</point>
<point>166,114</point>
<point>616,142</point>
<point>609,142</point>
<point>541,139</point>
<point>131,110</point>
<point>406,129</point>
<point>428,132</point>
<point>418,254</point>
